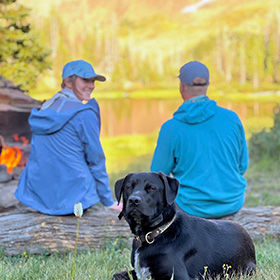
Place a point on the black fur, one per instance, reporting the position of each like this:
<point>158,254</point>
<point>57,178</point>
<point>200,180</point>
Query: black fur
<point>191,247</point>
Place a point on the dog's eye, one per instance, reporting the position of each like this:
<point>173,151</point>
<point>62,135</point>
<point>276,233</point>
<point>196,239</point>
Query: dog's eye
<point>150,188</point>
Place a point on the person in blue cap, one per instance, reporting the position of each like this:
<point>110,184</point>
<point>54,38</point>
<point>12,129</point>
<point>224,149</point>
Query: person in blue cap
<point>204,147</point>
<point>67,163</point>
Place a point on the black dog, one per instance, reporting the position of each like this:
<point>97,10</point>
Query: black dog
<point>171,244</point>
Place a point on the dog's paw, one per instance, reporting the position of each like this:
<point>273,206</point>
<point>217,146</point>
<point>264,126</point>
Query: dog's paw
<point>121,276</point>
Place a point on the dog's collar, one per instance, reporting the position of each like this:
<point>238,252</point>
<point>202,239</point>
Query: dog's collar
<point>151,235</point>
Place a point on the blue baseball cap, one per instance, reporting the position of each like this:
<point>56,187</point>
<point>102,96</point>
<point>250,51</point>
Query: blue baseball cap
<point>82,69</point>
<point>192,70</point>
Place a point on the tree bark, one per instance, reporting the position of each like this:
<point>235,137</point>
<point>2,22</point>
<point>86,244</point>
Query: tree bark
<point>260,222</point>
<point>26,230</point>
<point>23,229</point>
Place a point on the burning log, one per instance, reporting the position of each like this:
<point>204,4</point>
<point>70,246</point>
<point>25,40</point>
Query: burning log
<point>13,157</point>
<point>23,229</point>
<point>1,144</point>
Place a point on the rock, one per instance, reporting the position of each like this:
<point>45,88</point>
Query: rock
<point>4,175</point>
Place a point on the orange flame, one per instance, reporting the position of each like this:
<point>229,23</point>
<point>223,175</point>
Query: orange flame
<point>11,156</point>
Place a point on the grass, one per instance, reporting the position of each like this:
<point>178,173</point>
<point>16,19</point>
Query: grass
<point>98,264</point>
<point>263,184</point>
<point>101,264</point>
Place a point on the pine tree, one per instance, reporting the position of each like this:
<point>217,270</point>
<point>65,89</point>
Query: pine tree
<point>22,57</point>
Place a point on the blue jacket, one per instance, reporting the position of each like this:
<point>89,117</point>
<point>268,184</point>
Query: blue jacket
<point>66,163</point>
<point>204,147</point>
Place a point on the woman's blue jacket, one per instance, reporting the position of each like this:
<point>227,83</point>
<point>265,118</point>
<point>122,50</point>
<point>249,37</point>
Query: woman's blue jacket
<point>66,163</point>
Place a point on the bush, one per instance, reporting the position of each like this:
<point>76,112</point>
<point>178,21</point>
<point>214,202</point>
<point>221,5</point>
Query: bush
<point>265,145</point>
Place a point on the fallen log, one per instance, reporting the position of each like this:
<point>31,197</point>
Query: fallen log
<point>23,229</point>
<point>260,222</point>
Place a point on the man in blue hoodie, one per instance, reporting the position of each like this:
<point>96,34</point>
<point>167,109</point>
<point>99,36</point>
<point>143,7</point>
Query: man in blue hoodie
<point>204,147</point>
<point>66,163</point>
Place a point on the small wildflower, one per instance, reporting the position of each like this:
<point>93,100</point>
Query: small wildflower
<point>226,269</point>
<point>205,272</point>
<point>78,210</point>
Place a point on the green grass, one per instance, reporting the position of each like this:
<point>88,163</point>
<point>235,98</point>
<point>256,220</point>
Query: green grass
<point>263,184</point>
<point>96,264</point>
<point>101,264</point>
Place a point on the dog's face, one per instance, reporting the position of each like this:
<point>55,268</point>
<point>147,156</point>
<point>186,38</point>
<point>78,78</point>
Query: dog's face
<point>145,196</point>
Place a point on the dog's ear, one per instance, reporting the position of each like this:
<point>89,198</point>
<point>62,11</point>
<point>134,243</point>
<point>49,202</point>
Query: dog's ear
<point>171,187</point>
<point>119,187</point>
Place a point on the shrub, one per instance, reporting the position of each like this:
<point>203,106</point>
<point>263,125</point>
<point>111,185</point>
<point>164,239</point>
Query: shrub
<point>266,144</point>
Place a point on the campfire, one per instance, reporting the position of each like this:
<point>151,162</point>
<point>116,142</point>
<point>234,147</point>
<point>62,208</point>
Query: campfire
<point>12,156</point>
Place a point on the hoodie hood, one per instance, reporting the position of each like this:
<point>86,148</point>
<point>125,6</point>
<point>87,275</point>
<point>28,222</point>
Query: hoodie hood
<point>196,111</point>
<point>49,121</point>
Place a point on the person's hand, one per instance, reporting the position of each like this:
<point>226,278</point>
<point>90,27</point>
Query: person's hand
<point>116,206</point>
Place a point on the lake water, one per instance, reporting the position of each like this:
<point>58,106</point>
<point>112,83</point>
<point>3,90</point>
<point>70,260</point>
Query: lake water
<point>144,116</point>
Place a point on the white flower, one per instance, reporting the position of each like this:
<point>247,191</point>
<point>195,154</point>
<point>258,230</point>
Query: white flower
<point>78,209</point>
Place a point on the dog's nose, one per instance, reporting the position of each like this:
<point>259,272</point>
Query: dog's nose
<point>136,200</point>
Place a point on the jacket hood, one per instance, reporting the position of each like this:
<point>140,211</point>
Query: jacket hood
<point>196,111</point>
<point>49,121</point>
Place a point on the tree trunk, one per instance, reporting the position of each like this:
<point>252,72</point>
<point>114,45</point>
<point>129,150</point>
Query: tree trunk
<point>23,229</point>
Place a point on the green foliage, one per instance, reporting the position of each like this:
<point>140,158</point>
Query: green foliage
<point>22,57</point>
<point>114,257</point>
<point>266,144</point>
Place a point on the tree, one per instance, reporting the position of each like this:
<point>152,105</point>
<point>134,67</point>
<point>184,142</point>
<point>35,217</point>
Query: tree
<point>22,57</point>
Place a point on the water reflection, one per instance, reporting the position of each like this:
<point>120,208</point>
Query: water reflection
<point>144,116</point>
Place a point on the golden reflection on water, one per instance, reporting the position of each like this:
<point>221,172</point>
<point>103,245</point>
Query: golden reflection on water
<point>144,116</point>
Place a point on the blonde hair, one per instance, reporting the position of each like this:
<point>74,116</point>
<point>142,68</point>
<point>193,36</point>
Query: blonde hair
<point>70,78</point>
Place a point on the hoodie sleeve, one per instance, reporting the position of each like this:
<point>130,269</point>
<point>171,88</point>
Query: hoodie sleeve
<point>163,159</point>
<point>244,154</point>
<point>94,155</point>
